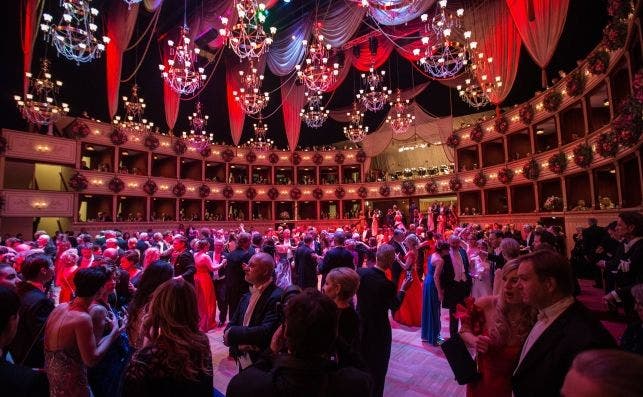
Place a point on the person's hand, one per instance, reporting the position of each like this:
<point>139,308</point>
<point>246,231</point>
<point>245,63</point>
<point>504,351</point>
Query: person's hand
<point>440,295</point>
<point>482,343</point>
<point>278,340</point>
<point>601,264</point>
<point>131,288</point>
<point>407,282</point>
<point>609,299</point>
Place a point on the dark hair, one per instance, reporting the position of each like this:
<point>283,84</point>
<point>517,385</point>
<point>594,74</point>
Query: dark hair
<point>269,247</point>
<point>442,246</point>
<point>90,280</point>
<point>200,244</point>
<point>308,238</point>
<point>154,275</point>
<point>632,218</point>
<point>611,225</point>
<point>311,324</point>
<point>546,237</point>
<point>132,256</point>
<point>548,263</point>
<point>257,238</point>
<point>32,265</point>
<point>9,305</point>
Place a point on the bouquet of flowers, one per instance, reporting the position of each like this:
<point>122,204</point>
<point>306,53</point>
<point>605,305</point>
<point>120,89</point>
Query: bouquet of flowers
<point>501,124</point>
<point>340,192</point>
<point>583,155</point>
<point>477,133</point>
<point>526,113</point>
<point>385,191</point>
<point>531,170</point>
<point>227,192</point>
<point>295,158</point>
<point>505,175</point>
<point>251,157</point>
<point>78,182</point>
<point>318,193</point>
<point>227,155</point>
<point>204,191</point>
<point>455,183</point>
<point>273,193</point>
<point>361,156</point>
<point>408,187</point>
<point>431,187</point>
<point>598,61</point>
<point>607,144</point>
<point>273,158</point>
<point>453,140</point>
<point>557,163</point>
<point>179,189</point>
<point>79,129</point>
<point>339,158</point>
<point>118,137</point>
<point>614,34</point>
<point>480,179</point>
<point>318,158</point>
<point>151,142</point>
<point>552,100</point>
<point>180,147</point>
<point>116,184</point>
<point>150,187</point>
<point>295,193</point>
<point>362,192</point>
<point>576,83</point>
<point>553,203</point>
<point>251,193</point>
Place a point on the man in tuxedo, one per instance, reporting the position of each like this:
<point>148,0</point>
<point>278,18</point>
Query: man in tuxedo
<point>235,283</point>
<point>400,252</point>
<point>453,281</point>
<point>377,295</point>
<point>255,319</point>
<point>338,256</point>
<point>257,242</point>
<point>159,242</point>
<point>182,259</point>
<point>563,330</point>
<point>528,236</point>
<point>592,237</point>
<point>305,264</point>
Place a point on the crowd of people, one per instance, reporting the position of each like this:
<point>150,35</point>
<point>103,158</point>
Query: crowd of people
<point>115,314</point>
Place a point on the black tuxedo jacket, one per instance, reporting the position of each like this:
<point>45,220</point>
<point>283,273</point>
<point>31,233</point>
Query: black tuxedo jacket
<point>542,371</point>
<point>592,237</point>
<point>626,280</point>
<point>184,266</point>
<point>336,257</point>
<point>396,269</point>
<point>305,267</point>
<point>234,275</point>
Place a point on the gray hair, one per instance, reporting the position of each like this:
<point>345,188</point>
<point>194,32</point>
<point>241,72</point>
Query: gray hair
<point>70,256</point>
<point>617,373</point>
<point>413,239</point>
<point>510,248</point>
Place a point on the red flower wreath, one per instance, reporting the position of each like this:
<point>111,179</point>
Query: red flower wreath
<point>118,137</point>
<point>531,170</point>
<point>295,158</point>
<point>78,182</point>
<point>501,124</point>
<point>618,8</point>
<point>180,147</point>
<point>552,100</point>
<point>362,192</point>
<point>116,184</point>
<point>614,34</point>
<point>295,193</point>
<point>576,83</point>
<point>598,62</point>
<point>607,144</point>
<point>273,193</point>
<point>150,187</point>
<point>557,163</point>
<point>273,158</point>
<point>453,140</point>
<point>480,179</point>
<point>204,191</point>
<point>251,157</point>
<point>408,187</point>
<point>361,156</point>
<point>628,123</point>
<point>431,187</point>
<point>340,192</point>
<point>385,190</point>
<point>227,192</point>
<point>227,155</point>
<point>455,183</point>
<point>205,151</point>
<point>637,86</point>
<point>79,129</point>
<point>179,189</point>
<point>151,142</point>
<point>583,155</point>
<point>251,193</point>
<point>318,158</point>
<point>318,193</point>
<point>526,113</point>
<point>477,133</point>
<point>339,158</point>
<point>505,175</point>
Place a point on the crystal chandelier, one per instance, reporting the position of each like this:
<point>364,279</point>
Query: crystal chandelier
<point>401,119</point>
<point>445,43</point>
<point>198,138</point>
<point>477,90</point>
<point>247,37</point>
<point>40,105</point>
<point>317,74</point>
<point>375,94</point>
<point>249,97</point>
<point>133,122</point>
<point>260,142</point>
<point>314,114</point>
<point>198,121</point>
<point>74,36</point>
<point>181,72</point>
<point>355,131</point>
<point>472,94</point>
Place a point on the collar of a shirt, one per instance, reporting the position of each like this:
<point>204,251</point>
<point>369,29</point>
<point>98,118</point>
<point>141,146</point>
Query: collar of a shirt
<point>260,288</point>
<point>551,312</point>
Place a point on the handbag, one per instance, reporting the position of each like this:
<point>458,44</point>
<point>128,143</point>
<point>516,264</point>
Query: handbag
<point>462,364</point>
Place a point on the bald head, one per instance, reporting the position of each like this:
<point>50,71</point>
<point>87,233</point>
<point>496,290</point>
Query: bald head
<point>259,268</point>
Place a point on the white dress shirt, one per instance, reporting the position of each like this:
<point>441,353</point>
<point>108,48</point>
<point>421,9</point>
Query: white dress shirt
<point>458,265</point>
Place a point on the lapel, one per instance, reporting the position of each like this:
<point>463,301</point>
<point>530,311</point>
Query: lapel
<point>261,304</point>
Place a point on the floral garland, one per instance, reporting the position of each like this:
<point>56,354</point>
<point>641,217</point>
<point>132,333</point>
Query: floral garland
<point>552,100</point>
<point>78,182</point>
<point>553,203</point>
<point>273,193</point>
<point>340,192</point>
<point>607,144</point>
<point>251,193</point>
<point>339,158</point>
<point>361,156</point>
<point>598,61</point>
<point>557,163</point>
<point>583,155</point>
<point>251,157</point>
<point>205,151</point>
<point>295,158</point>
<point>180,147</point>
<point>477,133</point>
<point>505,175</point>
<point>628,123</point>
<point>526,113</point>
<point>501,125</point>
<point>204,191</point>
<point>453,141</point>
<point>151,142</point>
<point>408,187</point>
<point>116,184</point>
<point>79,129</point>
<point>227,192</point>
<point>273,158</point>
<point>385,190</point>
<point>179,189</point>
<point>431,186</point>
<point>637,86</point>
<point>118,137</point>
<point>3,144</point>
<point>150,187</point>
<point>531,170</point>
<point>614,34</point>
<point>480,179</point>
<point>576,83</point>
<point>455,183</point>
<point>318,193</point>
<point>362,192</point>
<point>295,193</point>
<point>618,8</point>
<point>227,155</point>
<point>318,158</point>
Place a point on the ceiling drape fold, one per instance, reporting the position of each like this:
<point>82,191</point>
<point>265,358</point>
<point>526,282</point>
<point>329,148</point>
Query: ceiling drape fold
<point>292,99</point>
<point>383,11</point>
<point>31,10</point>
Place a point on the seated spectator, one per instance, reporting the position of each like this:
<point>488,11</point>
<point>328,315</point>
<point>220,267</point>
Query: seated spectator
<point>8,276</point>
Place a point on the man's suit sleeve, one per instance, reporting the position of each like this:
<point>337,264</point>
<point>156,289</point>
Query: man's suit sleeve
<point>258,334</point>
<point>41,312</point>
<point>190,269</point>
<point>324,266</point>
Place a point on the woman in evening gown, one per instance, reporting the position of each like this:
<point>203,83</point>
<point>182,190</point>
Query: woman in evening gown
<point>204,286</point>
<point>410,313</point>
<point>282,270</point>
<point>431,325</point>
<point>65,276</point>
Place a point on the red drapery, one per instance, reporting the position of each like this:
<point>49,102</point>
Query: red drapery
<point>30,14</point>
<point>292,99</point>
<point>171,98</point>
<point>235,113</point>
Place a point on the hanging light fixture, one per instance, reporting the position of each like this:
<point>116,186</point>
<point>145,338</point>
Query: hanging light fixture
<point>477,89</point>
<point>260,142</point>
<point>133,123</point>
<point>445,43</point>
<point>375,94</point>
<point>74,36</point>
<point>39,105</point>
<point>317,73</point>
<point>198,137</point>
<point>247,38</point>
<point>198,121</point>
<point>314,114</point>
<point>181,72</point>
<point>355,131</point>
<point>249,97</point>
<point>402,118</point>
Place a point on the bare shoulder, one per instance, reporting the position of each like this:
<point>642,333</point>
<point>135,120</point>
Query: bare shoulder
<point>485,302</point>
<point>97,310</point>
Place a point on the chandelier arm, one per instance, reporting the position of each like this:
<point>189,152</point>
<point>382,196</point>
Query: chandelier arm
<point>216,63</point>
<point>147,47</point>
<point>278,107</point>
<point>153,21</point>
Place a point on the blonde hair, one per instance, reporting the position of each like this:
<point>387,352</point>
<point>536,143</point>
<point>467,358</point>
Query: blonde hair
<point>347,279</point>
<point>69,257</point>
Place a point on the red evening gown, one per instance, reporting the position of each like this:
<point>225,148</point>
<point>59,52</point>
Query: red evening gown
<point>410,313</point>
<point>66,283</point>
<point>205,296</point>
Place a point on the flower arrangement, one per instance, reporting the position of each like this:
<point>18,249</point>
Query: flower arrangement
<point>500,124</point>
<point>618,8</point>
<point>531,170</point>
<point>362,192</point>
<point>340,192</point>
<point>318,158</point>
<point>453,141</point>
<point>339,158</point>
<point>576,83</point>
<point>637,86</point>
<point>149,187</point>
<point>227,155</point>
<point>628,124</point>
<point>408,187</point>
<point>118,137</point>
<point>553,203</point>
<point>598,61</point>
<point>79,129</point>
<point>505,175</point>
<point>472,314</point>
<point>361,156</point>
<point>455,183</point>
<point>251,193</point>
<point>204,191</point>
<point>273,193</point>
<point>614,34</point>
<point>385,191</point>
<point>318,193</point>
<point>251,157</point>
<point>607,144</point>
<point>557,163</point>
<point>180,147</point>
<point>431,186</point>
<point>116,184</point>
<point>179,189</point>
<point>583,155</point>
<point>295,193</point>
<point>526,113</point>
<point>3,145</point>
<point>552,100</point>
<point>477,133</point>
<point>227,192</point>
<point>78,182</point>
<point>151,142</point>
<point>205,151</point>
<point>295,158</point>
<point>273,158</point>
<point>480,179</point>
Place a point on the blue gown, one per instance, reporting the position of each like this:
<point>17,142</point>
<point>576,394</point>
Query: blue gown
<point>430,308</point>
